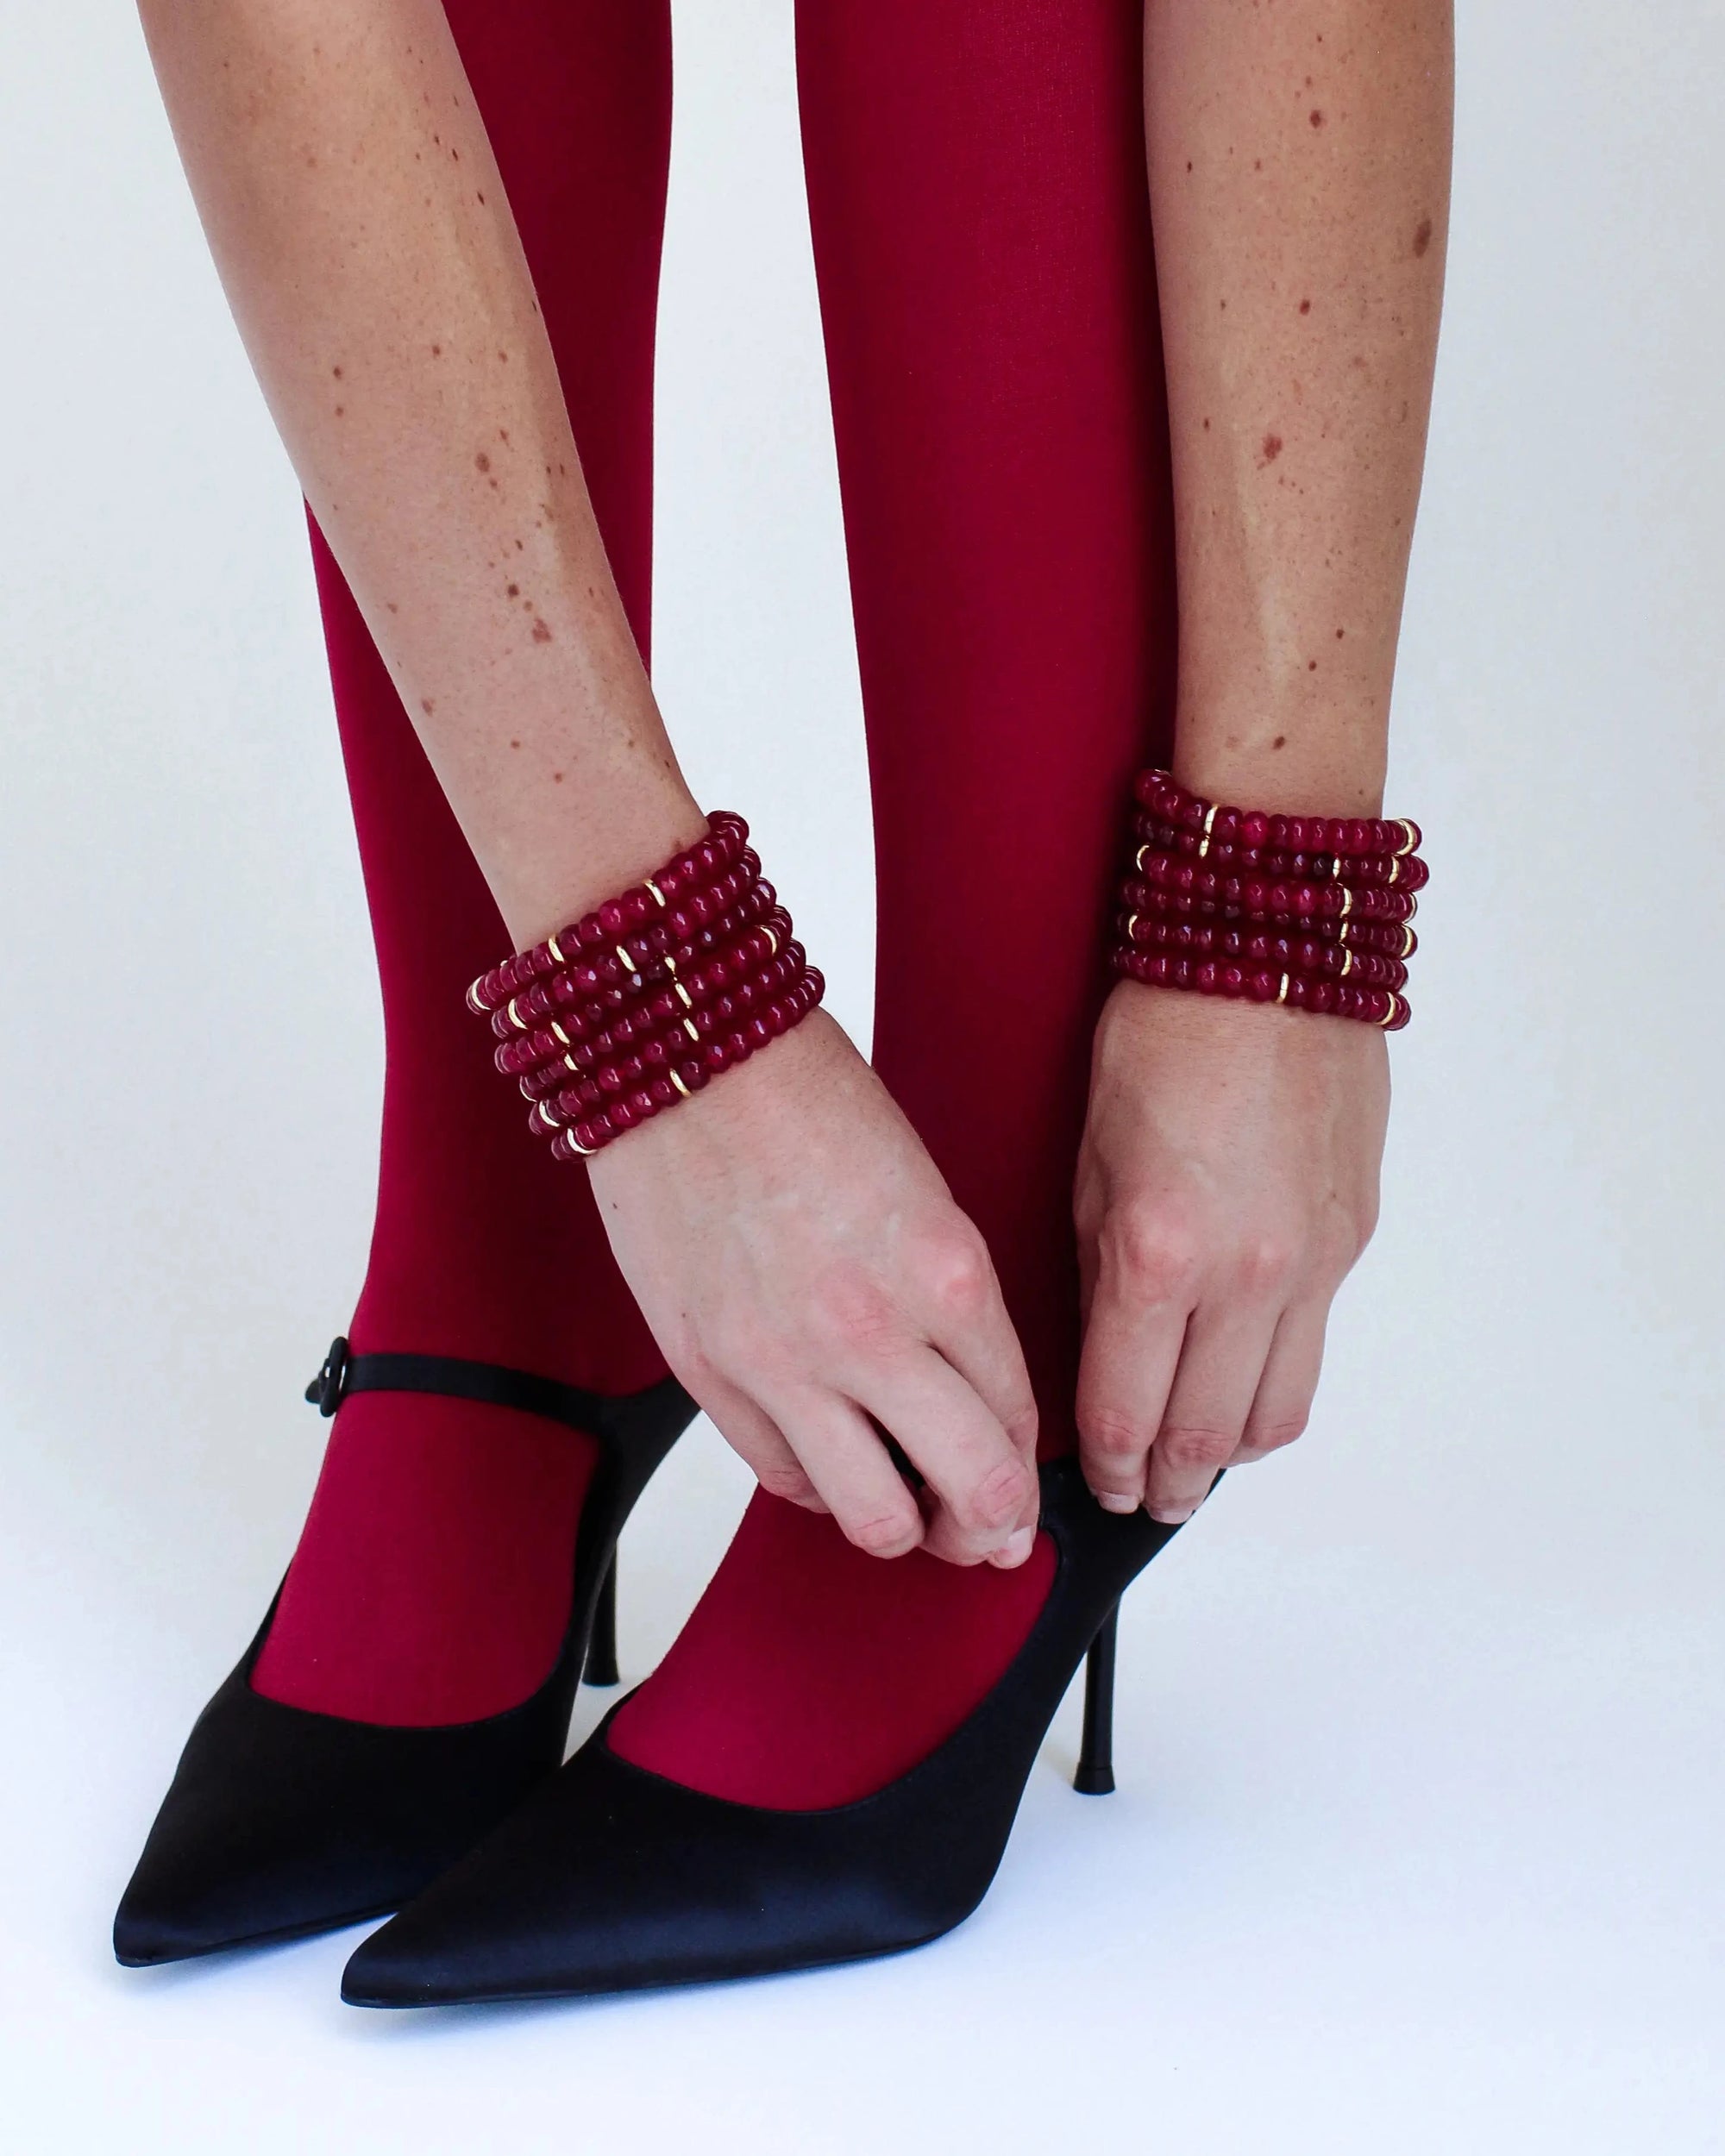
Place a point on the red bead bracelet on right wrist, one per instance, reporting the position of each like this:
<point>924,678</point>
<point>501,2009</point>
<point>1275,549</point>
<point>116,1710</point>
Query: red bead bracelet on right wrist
<point>1311,913</point>
<point>636,1005</point>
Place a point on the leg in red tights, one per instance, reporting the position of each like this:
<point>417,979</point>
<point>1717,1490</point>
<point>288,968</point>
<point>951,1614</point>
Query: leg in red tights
<point>982,229</point>
<point>431,1583</point>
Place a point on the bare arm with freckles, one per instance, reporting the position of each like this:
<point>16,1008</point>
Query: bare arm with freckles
<point>1299,163</point>
<point>790,1242</point>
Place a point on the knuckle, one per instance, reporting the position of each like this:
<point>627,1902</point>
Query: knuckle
<point>850,1314</point>
<point>1263,1265</point>
<point>883,1534</point>
<point>955,1274</point>
<point>783,1478</point>
<point>1112,1434</point>
<point>1151,1256</point>
<point>1270,1436</point>
<point>1000,1497</point>
<point>1187,1446</point>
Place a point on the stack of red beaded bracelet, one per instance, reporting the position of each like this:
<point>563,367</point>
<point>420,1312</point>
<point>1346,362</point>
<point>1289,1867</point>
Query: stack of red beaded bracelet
<point>638,1003</point>
<point>1310,912</point>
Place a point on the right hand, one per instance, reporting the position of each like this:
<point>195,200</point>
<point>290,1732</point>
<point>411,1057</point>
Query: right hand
<point>803,1267</point>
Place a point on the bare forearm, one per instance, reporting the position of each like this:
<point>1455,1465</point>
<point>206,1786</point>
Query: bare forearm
<point>1298,160</point>
<point>350,197</point>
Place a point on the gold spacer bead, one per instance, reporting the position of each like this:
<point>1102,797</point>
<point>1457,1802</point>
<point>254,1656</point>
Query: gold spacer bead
<point>556,1028</point>
<point>688,1000</point>
<point>587,1152</point>
<point>691,1029</point>
<point>680,1087</point>
<point>1131,928</point>
<point>1394,1007</point>
<point>1282,992</point>
<point>555,949</point>
<point>1348,963</point>
<point>542,1108</point>
<point>514,1017</point>
<point>1209,823</point>
<point>1348,902</point>
<point>659,897</point>
<point>1395,870</point>
<point>772,938</point>
<point>1407,939</point>
<point>569,1063</point>
<point>1137,858</point>
<point>1408,842</point>
<point>624,959</point>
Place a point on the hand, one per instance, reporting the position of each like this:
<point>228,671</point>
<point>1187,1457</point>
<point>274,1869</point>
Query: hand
<point>804,1268</point>
<point>1227,1182</point>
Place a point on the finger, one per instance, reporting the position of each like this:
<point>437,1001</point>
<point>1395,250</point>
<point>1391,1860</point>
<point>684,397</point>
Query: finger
<point>1221,1360</point>
<point>851,1469</point>
<point>1131,1350</point>
<point>751,1431</point>
<point>1283,1401</point>
<point>985,1485</point>
<point>965,1319</point>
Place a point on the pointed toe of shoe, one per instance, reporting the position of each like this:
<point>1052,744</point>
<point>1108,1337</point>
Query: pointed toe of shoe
<point>148,1931</point>
<point>610,1879</point>
<point>279,1823</point>
<point>207,1882</point>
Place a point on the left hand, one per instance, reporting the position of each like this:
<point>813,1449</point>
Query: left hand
<point>1227,1182</point>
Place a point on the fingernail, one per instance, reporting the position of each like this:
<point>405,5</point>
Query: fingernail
<point>1112,1500</point>
<point>1015,1549</point>
<point>1173,1518</point>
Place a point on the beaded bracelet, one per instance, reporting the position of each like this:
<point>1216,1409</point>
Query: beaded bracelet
<point>1167,799</point>
<point>753,958</point>
<point>639,1003</point>
<point>1382,1007</point>
<point>686,1079</point>
<point>1401,872</point>
<point>1392,939</point>
<point>655,996</point>
<point>574,1015</point>
<point>1311,913</point>
<point>1258,896</point>
<point>1286,954</point>
<point>684,877</point>
<point>574,1096</point>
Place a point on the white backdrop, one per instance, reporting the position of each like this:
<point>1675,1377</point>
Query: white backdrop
<point>1417,1846</point>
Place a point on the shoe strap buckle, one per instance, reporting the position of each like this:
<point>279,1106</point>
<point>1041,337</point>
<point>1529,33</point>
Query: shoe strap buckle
<point>326,1390</point>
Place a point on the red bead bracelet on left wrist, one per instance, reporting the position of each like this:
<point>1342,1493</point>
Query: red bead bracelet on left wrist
<point>1310,912</point>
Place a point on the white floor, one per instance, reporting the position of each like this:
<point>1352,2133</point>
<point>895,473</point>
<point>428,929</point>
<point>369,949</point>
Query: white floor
<point>1388,1872</point>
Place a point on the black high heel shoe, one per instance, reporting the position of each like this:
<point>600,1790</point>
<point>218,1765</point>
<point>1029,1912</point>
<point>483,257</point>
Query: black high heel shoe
<point>281,1822</point>
<point>609,1878</point>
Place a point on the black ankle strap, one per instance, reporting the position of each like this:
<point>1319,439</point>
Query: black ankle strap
<point>344,1372</point>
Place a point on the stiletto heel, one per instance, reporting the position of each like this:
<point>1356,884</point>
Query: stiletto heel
<point>601,1667</point>
<point>1095,1774</point>
<point>611,1879</point>
<point>280,1822</point>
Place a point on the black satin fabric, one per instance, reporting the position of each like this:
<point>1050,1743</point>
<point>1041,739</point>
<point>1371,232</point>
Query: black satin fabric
<point>280,1822</point>
<point>609,1878</point>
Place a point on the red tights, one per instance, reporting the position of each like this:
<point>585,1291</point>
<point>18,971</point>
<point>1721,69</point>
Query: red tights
<point>981,220</point>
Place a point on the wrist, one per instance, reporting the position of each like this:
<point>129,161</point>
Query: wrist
<point>1311,752</point>
<point>644,821</point>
